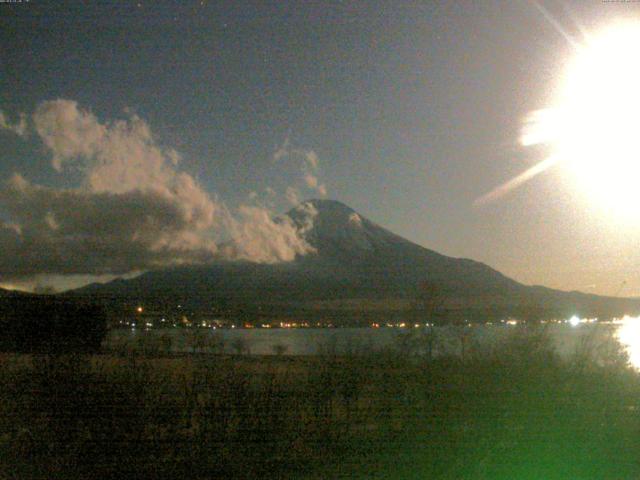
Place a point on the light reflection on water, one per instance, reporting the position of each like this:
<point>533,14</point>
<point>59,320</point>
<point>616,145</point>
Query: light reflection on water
<point>628,334</point>
<point>567,337</point>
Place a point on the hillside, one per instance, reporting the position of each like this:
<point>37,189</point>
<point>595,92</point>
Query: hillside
<point>358,266</point>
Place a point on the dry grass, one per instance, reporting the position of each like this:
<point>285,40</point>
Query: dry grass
<point>510,412</point>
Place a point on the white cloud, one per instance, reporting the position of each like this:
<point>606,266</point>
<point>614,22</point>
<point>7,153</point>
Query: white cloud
<point>19,128</point>
<point>134,209</point>
<point>77,231</point>
<point>282,151</point>
<point>312,159</point>
<point>309,212</point>
<point>292,195</point>
<point>308,167</point>
<point>311,180</point>
<point>314,185</point>
<point>68,132</point>
<point>258,236</point>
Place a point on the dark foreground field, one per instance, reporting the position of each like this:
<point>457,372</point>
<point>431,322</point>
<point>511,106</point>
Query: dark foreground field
<point>515,411</point>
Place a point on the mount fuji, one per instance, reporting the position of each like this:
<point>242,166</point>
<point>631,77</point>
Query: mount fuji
<point>360,271</point>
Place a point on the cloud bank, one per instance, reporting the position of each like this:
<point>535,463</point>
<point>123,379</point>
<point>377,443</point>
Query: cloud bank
<point>134,208</point>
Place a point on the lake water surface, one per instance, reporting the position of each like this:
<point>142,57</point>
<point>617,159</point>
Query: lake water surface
<point>567,337</point>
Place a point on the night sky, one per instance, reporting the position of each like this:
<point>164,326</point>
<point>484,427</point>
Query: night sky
<point>142,134</point>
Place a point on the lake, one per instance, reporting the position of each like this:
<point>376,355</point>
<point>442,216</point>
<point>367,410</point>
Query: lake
<point>567,337</point>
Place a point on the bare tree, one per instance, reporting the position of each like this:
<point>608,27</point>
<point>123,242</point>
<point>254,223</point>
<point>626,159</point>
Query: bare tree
<point>197,339</point>
<point>240,346</point>
<point>279,349</point>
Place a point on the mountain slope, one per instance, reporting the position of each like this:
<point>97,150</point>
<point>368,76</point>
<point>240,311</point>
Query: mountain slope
<point>12,293</point>
<point>356,260</point>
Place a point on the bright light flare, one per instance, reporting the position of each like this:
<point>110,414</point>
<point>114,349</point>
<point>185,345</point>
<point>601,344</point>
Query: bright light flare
<point>592,127</point>
<point>594,130</point>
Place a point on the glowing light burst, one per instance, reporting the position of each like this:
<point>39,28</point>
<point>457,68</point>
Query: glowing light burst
<point>594,131</point>
<point>628,334</point>
<point>593,127</point>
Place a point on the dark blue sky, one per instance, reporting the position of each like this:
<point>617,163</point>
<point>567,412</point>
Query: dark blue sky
<point>413,108</point>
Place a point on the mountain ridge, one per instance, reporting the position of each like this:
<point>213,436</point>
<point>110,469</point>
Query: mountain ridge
<point>356,259</point>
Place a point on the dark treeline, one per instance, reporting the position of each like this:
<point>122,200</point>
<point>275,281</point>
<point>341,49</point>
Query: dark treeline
<point>50,324</point>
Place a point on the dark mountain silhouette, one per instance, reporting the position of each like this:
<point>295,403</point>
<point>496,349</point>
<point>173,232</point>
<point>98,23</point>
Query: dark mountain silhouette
<point>4,293</point>
<point>359,266</point>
